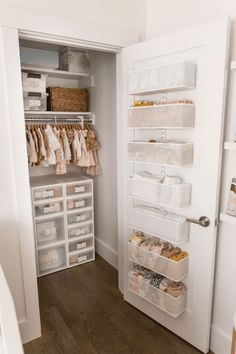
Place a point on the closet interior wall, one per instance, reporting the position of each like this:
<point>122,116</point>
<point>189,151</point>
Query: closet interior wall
<point>102,102</point>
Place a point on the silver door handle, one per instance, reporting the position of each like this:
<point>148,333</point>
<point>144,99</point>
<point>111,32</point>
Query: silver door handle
<point>203,221</point>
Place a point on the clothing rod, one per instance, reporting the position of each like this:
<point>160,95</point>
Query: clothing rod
<point>59,120</point>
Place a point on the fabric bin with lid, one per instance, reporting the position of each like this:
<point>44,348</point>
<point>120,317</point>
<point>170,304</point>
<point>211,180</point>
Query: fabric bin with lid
<point>34,82</point>
<point>74,60</point>
<point>163,116</point>
<point>169,152</point>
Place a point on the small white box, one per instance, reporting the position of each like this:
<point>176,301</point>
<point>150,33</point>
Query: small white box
<point>35,101</point>
<point>74,60</point>
<point>33,82</point>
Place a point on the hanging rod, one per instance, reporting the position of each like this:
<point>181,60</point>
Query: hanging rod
<point>55,120</point>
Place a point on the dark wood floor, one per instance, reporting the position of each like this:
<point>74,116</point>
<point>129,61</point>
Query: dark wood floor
<point>83,312</point>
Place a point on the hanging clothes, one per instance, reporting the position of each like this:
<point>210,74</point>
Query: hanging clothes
<point>60,146</point>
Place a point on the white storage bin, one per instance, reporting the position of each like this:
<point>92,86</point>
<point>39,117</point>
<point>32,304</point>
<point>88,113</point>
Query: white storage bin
<point>33,82</point>
<point>81,257</point>
<point>34,101</point>
<point>48,208</point>
<point>51,259</point>
<point>80,230</point>
<point>78,203</point>
<point>170,152</point>
<point>171,269</point>
<point>172,305</point>
<point>179,115</point>
<point>49,231</point>
<point>79,188</point>
<point>79,217</point>
<point>174,195</point>
<point>47,193</point>
<point>74,60</point>
<point>161,226</point>
<point>80,244</point>
<point>173,76</point>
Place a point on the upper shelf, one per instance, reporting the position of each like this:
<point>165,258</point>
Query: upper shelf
<point>54,73</point>
<point>51,113</point>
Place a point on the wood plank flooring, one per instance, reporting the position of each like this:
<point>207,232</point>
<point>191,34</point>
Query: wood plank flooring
<point>83,312</point>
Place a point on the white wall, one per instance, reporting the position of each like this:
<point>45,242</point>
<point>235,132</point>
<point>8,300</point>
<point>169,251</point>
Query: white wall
<point>169,16</point>
<point>116,14</point>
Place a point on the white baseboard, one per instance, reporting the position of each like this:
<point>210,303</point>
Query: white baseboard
<point>220,341</point>
<point>106,252</point>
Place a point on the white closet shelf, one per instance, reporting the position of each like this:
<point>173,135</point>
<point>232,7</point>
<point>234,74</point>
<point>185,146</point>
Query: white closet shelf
<point>230,145</point>
<point>165,89</point>
<point>54,73</point>
<point>51,113</point>
<point>228,218</point>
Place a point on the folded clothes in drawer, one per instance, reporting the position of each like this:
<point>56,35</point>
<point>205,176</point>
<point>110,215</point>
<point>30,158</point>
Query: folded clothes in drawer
<point>51,259</point>
<point>49,208</point>
<point>168,152</point>
<point>79,203</point>
<point>79,217</point>
<point>161,223</point>
<point>81,257</point>
<point>179,115</point>
<point>83,230</point>
<point>165,294</point>
<point>158,256</point>
<point>164,77</point>
<point>50,231</point>
<point>78,188</point>
<point>80,245</point>
<point>47,193</point>
<point>175,195</point>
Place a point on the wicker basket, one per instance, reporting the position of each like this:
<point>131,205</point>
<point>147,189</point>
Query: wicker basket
<point>63,99</point>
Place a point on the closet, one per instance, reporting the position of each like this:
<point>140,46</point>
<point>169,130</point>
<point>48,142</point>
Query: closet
<point>65,233</point>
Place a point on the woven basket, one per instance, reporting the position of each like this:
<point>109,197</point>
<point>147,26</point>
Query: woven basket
<point>63,99</point>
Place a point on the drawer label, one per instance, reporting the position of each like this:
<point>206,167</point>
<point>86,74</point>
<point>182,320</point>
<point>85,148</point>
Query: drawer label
<point>51,231</point>
<point>80,217</point>
<point>48,193</point>
<point>79,203</point>
<point>34,103</point>
<point>81,245</point>
<point>82,258</point>
<point>49,209</point>
<point>79,189</point>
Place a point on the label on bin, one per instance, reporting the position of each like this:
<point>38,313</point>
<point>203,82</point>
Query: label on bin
<point>79,189</point>
<point>82,258</point>
<point>50,231</point>
<point>81,217</point>
<point>81,245</point>
<point>49,209</point>
<point>79,203</point>
<point>48,193</point>
<point>34,103</point>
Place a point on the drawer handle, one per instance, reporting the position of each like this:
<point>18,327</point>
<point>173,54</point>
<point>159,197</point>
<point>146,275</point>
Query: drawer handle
<point>203,221</point>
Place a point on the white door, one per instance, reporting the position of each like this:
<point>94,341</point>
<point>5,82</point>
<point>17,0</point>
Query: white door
<point>191,64</point>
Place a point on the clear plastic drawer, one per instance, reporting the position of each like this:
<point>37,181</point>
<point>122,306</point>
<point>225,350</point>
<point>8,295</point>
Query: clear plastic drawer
<point>174,76</point>
<point>79,188</point>
<point>172,305</point>
<point>50,231</point>
<point>174,195</point>
<point>51,259</point>
<point>80,244</point>
<point>78,203</point>
<point>163,116</point>
<point>80,230</point>
<point>48,208</point>
<point>168,226</point>
<point>47,193</point>
<point>80,217</point>
<point>171,269</point>
<point>81,257</point>
<point>176,153</point>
